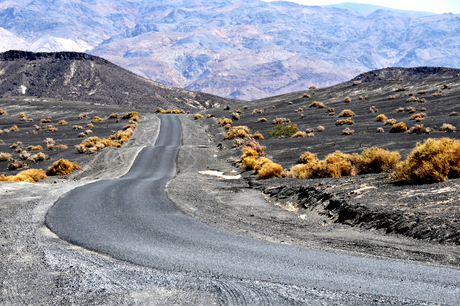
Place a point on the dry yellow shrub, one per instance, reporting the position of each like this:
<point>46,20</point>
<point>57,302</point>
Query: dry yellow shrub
<point>62,122</point>
<point>62,167</point>
<point>269,170</point>
<point>30,175</point>
<point>133,114</point>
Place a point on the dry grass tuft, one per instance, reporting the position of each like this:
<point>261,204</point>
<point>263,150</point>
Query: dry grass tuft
<point>320,128</point>
<point>130,115</point>
<point>97,119</point>
<point>348,131</point>
<point>257,135</point>
<point>380,130</point>
<point>299,134</point>
<point>197,116</point>
<point>82,115</point>
<point>446,127</point>
<point>420,129</point>
<point>22,115</point>
<point>90,125</point>
<point>381,117</point>
<point>348,121</point>
<point>13,128</point>
<point>62,122</point>
<point>30,175</point>
<point>62,167</point>
<point>433,161</point>
<point>317,104</point>
<point>399,127</point>
<point>34,148</point>
<point>51,128</point>
<point>113,116</point>
<point>347,99</point>
<point>262,120</point>
<point>5,156</point>
<point>224,121</point>
<point>347,113</point>
<point>237,131</point>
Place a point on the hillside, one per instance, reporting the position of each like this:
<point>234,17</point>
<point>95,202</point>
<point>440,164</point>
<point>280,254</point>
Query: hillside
<point>243,50</point>
<point>82,77</point>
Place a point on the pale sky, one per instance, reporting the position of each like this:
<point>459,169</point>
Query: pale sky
<point>438,6</point>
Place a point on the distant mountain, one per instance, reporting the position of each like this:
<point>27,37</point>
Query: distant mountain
<point>11,41</point>
<point>366,9</point>
<point>83,77</point>
<point>235,48</point>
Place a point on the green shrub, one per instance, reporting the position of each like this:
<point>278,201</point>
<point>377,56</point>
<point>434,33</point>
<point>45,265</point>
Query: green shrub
<point>284,129</point>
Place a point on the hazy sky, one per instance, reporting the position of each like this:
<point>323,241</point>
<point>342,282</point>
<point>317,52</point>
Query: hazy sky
<point>434,6</point>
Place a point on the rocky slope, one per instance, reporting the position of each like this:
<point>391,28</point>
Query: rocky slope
<point>82,77</point>
<point>244,50</point>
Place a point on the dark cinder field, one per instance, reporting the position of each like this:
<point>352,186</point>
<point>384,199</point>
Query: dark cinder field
<point>428,212</point>
<point>41,108</point>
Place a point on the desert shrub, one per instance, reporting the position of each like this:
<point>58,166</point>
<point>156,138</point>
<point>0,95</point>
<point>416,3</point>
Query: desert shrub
<point>400,88</point>
<point>437,94</point>
<point>6,131</point>
<point>347,99</point>
<point>113,116</point>
<point>22,115</point>
<point>381,117</point>
<point>235,116</point>
<point>421,92</point>
<point>453,114</point>
<point>412,99</point>
<point>320,128</point>
<point>227,107</point>
<point>48,141</point>
<point>237,131</point>
<point>410,109</point>
<point>257,135</point>
<point>82,134</point>
<point>281,121</point>
<point>348,131</point>
<point>310,130</point>
<point>262,120</point>
<point>373,109</point>
<point>334,165</point>
<point>13,128</point>
<point>61,147</point>
<point>197,116</point>
<point>418,115</point>
<point>299,110</point>
<point>380,130</point>
<point>77,127</point>
<point>317,104</point>
<point>390,97</point>
<point>245,107</point>
<point>34,148</point>
<point>433,161</point>
<point>39,157</point>
<point>307,157</point>
<point>45,121</point>
<point>285,129</point>
<point>227,126</point>
<point>62,167</point>
<point>399,127</point>
<point>81,148</point>
<point>129,126</point>
<point>312,87</point>
<point>290,102</point>
<point>270,169</point>
<point>239,111</point>
<point>299,134</point>
<point>348,121</point>
<point>2,112</point>
<point>159,110</point>
<point>24,155</point>
<point>355,83</point>
<point>16,164</point>
<point>62,122</point>
<point>97,119</point>
<point>375,160</point>
<point>51,128</point>
<point>209,115</point>
<point>37,127</point>
<point>311,135</point>
<point>82,115</point>
<point>420,129</point>
<point>90,125</point>
<point>346,113</point>
<point>15,145</point>
<point>302,116</point>
<point>258,111</point>
<point>224,121</point>
<point>446,127</point>
<point>360,97</point>
<point>398,110</point>
<point>248,159</point>
<point>446,86</point>
<point>129,115</point>
<point>87,132</point>
<point>305,95</point>
<point>30,175</point>
<point>238,142</point>
<point>5,156</point>
<point>256,146</point>
<point>331,109</point>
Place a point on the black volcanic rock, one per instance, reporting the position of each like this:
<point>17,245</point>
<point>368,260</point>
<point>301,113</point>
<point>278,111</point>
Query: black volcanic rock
<point>83,77</point>
<point>407,74</point>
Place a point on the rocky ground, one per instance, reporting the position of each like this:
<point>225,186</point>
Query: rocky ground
<point>352,207</point>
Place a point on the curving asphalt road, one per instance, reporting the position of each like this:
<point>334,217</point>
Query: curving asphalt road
<point>132,219</point>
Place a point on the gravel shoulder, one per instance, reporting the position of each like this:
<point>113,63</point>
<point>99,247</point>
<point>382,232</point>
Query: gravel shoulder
<point>241,206</point>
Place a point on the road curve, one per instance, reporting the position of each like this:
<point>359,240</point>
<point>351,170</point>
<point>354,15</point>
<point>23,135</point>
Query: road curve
<point>131,218</point>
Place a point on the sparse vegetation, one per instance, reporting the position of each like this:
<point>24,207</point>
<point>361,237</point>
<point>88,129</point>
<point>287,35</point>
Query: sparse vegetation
<point>262,120</point>
<point>347,99</point>
<point>381,117</point>
<point>30,175</point>
<point>446,127</point>
<point>317,104</point>
<point>433,161</point>
<point>348,121</point>
<point>281,121</point>
<point>62,122</point>
<point>420,129</point>
<point>348,131</point>
<point>399,127</point>
<point>284,129</point>
<point>235,116</point>
<point>299,134</point>
<point>197,116</point>
<point>97,119</point>
<point>347,113</point>
<point>237,131</point>
<point>62,167</point>
<point>373,109</point>
<point>34,148</point>
<point>320,128</point>
<point>5,156</point>
<point>113,116</point>
<point>224,121</point>
<point>129,115</point>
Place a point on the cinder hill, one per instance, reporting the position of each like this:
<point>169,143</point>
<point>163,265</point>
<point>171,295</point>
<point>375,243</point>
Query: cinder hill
<point>87,78</point>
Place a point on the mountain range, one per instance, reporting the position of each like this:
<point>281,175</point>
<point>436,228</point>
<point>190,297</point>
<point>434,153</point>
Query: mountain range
<point>242,50</point>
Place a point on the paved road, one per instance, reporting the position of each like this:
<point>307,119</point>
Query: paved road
<point>132,219</point>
